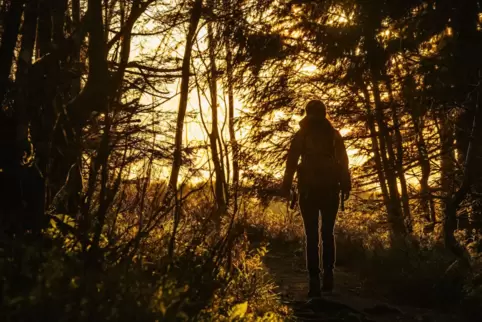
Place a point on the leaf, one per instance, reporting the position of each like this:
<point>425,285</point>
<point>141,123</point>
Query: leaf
<point>238,311</point>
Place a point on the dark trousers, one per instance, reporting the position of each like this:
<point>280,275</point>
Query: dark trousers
<point>312,204</point>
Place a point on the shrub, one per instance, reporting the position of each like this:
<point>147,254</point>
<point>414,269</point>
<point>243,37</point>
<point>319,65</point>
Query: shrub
<point>211,275</point>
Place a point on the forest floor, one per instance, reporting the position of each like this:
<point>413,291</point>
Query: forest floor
<point>351,299</point>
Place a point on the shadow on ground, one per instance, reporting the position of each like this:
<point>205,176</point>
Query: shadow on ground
<point>350,301</point>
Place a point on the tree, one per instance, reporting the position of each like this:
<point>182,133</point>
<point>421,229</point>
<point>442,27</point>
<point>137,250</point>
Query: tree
<point>194,19</point>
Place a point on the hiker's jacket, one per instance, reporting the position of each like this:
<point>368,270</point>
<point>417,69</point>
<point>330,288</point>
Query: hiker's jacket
<point>324,161</point>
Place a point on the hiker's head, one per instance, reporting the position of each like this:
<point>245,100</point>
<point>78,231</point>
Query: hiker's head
<point>316,108</point>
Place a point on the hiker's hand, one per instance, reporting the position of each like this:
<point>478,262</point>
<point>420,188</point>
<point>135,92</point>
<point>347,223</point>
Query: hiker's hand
<point>284,193</point>
<point>346,195</point>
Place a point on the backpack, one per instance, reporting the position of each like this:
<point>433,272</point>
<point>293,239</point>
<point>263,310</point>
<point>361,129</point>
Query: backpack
<point>319,168</point>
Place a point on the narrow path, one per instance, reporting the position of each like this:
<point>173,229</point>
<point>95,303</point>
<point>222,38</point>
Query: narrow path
<point>350,301</point>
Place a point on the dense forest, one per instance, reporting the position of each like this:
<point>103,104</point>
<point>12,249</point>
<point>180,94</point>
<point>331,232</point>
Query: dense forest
<point>142,143</point>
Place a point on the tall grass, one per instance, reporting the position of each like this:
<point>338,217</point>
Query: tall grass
<point>213,273</point>
<point>418,272</point>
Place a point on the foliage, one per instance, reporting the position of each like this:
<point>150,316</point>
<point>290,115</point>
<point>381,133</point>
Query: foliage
<point>431,274</point>
<point>50,280</point>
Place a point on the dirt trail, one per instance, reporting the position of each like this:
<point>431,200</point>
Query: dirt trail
<point>349,302</point>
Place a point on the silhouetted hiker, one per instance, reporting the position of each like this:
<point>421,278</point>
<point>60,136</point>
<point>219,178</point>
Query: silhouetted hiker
<point>322,174</point>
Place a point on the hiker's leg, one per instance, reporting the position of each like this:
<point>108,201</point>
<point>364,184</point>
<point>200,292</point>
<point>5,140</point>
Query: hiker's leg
<point>310,213</point>
<point>329,210</point>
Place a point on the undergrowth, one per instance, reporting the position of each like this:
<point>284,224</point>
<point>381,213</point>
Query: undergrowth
<point>417,272</point>
<point>213,274</point>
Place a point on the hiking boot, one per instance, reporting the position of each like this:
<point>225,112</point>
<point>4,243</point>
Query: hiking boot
<point>314,287</point>
<point>328,281</point>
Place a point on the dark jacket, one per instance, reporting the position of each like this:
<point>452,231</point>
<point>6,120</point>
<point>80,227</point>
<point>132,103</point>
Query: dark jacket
<point>324,161</point>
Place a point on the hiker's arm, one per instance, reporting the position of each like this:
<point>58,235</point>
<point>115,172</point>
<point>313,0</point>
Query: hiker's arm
<point>292,162</point>
<point>342,156</point>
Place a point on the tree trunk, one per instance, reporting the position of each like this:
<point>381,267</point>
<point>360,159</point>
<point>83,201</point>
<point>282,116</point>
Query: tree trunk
<point>399,157</point>
<point>394,219</point>
<point>44,38</point>
<point>453,203</point>
<point>447,155</point>
<point>16,203</point>
<point>220,181</point>
<point>428,205</point>
<point>75,87</point>
<point>388,159</point>
<point>29,30</point>
<point>232,126</point>
<point>231,120</point>
<point>417,114</point>
<point>447,180</point>
<point>9,41</point>
<point>177,155</point>
<point>98,76</point>
<point>59,10</point>
<point>376,59</point>
<point>465,25</point>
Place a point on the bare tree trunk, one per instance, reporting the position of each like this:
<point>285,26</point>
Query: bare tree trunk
<point>232,126</point>
<point>453,202</point>
<point>177,155</point>
<point>34,182</point>
<point>75,87</point>
<point>399,158</point>
<point>388,159</point>
<point>417,114</point>
<point>44,33</point>
<point>376,67</point>
<point>125,50</point>
<point>220,180</point>
<point>231,119</point>
<point>47,150</point>
<point>447,155</point>
<point>9,41</point>
<point>428,205</point>
<point>25,56</point>
<point>394,219</point>
<point>424,160</point>
<point>59,14</point>
<point>97,98</point>
<point>22,205</point>
<point>63,154</point>
<point>98,71</point>
<point>447,179</point>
